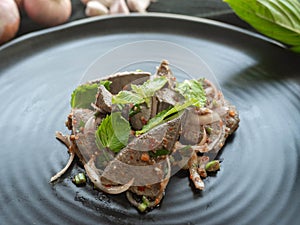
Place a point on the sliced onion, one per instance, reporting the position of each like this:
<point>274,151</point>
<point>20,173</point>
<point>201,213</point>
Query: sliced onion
<point>95,175</point>
<point>221,110</point>
<point>204,137</point>
<point>131,199</point>
<point>194,175</point>
<point>212,89</point>
<point>66,140</point>
<point>63,138</point>
<point>163,186</point>
<point>214,144</point>
<point>60,173</point>
<point>90,124</point>
<point>200,148</point>
<point>160,195</point>
<point>209,118</point>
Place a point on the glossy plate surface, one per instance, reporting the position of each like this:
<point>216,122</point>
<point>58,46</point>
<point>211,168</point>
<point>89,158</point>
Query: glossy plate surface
<point>258,182</point>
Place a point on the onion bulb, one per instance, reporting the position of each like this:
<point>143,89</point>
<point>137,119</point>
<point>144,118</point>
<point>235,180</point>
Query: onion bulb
<point>19,3</point>
<point>48,12</point>
<point>9,20</point>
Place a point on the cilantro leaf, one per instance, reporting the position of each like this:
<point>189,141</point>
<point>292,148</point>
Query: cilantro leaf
<point>192,90</point>
<point>113,132</point>
<point>84,95</point>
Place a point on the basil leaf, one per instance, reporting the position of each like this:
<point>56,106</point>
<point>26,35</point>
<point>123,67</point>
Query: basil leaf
<point>84,95</point>
<point>278,19</point>
<point>192,90</point>
<point>113,132</point>
<point>296,48</point>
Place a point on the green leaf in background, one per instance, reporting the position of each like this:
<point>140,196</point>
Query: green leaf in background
<point>278,19</point>
<point>113,132</point>
<point>84,95</point>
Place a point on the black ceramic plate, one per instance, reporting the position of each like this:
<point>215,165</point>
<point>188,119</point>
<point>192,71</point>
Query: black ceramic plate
<point>258,182</point>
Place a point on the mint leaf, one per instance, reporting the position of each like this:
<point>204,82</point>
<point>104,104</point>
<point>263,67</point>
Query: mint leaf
<point>106,84</point>
<point>126,97</point>
<point>84,95</point>
<point>192,90</point>
<point>113,132</point>
<point>278,19</point>
<point>148,88</point>
<point>140,93</point>
<point>160,117</point>
<point>159,152</point>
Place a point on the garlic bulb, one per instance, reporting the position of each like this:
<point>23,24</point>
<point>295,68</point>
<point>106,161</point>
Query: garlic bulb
<point>95,8</point>
<point>107,3</point>
<point>119,6</point>
<point>138,5</point>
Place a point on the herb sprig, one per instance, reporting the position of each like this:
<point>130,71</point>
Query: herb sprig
<point>140,93</point>
<point>277,19</point>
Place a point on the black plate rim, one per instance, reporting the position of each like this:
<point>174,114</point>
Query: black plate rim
<point>82,22</point>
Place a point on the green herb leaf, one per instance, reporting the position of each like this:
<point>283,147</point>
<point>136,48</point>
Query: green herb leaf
<point>106,84</point>
<point>159,152</point>
<point>126,97</point>
<point>278,19</point>
<point>160,117</point>
<point>192,90</point>
<point>84,95</point>
<point>140,93</point>
<point>148,88</point>
<point>113,132</point>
